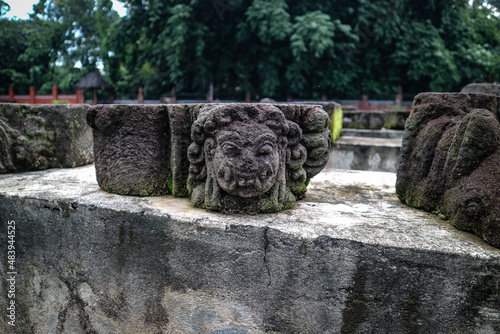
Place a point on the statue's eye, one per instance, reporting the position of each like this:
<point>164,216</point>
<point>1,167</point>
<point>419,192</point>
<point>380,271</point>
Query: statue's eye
<point>230,149</point>
<point>266,149</point>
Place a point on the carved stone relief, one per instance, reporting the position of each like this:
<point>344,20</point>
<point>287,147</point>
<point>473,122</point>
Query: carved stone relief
<point>248,158</point>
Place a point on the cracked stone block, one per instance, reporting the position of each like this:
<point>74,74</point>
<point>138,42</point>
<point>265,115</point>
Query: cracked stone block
<point>227,157</point>
<point>450,160</point>
<point>35,137</point>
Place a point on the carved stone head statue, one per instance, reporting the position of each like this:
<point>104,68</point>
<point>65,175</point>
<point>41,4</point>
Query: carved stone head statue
<point>234,157</point>
<point>248,158</point>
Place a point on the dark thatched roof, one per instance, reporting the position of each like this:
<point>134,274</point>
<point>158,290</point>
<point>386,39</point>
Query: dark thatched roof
<point>93,80</point>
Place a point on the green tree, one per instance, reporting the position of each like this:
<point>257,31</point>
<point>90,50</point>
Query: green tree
<point>13,42</point>
<point>81,25</point>
<point>339,48</point>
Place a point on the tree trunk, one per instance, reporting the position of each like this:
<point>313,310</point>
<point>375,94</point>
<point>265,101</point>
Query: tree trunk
<point>174,95</point>
<point>140,96</point>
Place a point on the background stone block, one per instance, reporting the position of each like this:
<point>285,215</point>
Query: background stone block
<point>34,137</point>
<point>485,88</point>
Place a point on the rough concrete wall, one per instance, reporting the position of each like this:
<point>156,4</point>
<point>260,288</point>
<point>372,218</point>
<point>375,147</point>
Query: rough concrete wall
<point>34,137</point>
<point>103,263</point>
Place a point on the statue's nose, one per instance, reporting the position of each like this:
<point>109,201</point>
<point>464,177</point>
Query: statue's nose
<point>249,162</point>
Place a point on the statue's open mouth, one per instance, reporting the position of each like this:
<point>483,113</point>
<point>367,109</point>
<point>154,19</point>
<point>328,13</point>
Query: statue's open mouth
<point>236,179</point>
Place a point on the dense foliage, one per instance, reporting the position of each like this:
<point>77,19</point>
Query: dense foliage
<point>275,48</point>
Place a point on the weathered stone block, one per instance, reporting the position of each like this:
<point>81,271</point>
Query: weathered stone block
<point>375,119</point>
<point>450,160</point>
<point>34,137</point>
<point>485,88</point>
<point>132,148</point>
<point>228,157</point>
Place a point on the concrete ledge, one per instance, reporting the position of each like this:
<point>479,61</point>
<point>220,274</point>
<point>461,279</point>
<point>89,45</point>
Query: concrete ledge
<point>349,258</point>
<point>383,133</point>
<point>365,153</point>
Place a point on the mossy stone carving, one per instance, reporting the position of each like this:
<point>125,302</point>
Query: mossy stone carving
<point>241,158</point>
<point>36,137</point>
<point>450,160</point>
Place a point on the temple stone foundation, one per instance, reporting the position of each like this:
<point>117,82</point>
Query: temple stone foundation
<point>370,150</point>
<point>348,258</point>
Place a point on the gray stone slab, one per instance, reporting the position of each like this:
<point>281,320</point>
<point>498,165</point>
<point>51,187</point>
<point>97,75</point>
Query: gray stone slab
<point>349,258</point>
<point>383,133</point>
<point>484,88</point>
<point>367,141</point>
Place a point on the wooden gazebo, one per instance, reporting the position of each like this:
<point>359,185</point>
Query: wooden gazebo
<point>93,81</point>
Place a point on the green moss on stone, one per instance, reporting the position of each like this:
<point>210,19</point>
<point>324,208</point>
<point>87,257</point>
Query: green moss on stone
<point>335,124</point>
<point>390,121</point>
<point>171,186</point>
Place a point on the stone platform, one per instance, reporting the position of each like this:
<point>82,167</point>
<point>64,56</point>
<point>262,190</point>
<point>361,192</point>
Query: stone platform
<point>368,150</point>
<point>349,258</point>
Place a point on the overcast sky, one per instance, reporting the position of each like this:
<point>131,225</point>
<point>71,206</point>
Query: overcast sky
<point>22,8</point>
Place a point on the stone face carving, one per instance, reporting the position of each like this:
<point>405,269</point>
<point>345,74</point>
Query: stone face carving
<point>228,157</point>
<point>35,137</point>
<point>450,160</point>
<point>241,152</point>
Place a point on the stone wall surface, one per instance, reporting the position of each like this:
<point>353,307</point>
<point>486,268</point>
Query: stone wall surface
<point>450,160</point>
<point>375,119</point>
<point>350,258</point>
<point>35,137</point>
<point>365,153</point>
